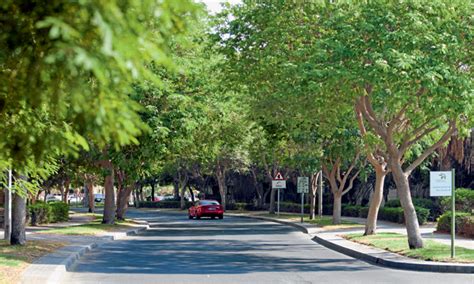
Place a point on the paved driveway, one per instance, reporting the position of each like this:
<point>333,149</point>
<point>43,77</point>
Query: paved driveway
<point>233,250</point>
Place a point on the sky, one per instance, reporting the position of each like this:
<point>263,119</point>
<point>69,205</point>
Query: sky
<point>214,6</point>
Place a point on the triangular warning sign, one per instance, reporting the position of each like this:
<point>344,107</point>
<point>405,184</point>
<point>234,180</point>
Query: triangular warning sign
<point>278,176</point>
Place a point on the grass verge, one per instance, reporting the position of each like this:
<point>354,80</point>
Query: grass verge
<point>398,243</point>
<point>14,259</point>
<point>324,222</point>
<point>93,228</point>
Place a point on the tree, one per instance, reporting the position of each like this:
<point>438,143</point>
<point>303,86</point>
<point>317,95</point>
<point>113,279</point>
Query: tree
<point>407,66</point>
<point>66,70</point>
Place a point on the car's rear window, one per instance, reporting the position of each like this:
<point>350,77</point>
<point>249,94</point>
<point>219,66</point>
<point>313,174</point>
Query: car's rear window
<point>206,202</point>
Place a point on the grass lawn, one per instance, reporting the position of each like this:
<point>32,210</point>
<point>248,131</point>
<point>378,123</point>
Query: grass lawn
<point>399,244</point>
<point>324,222</point>
<point>14,259</point>
<point>93,228</point>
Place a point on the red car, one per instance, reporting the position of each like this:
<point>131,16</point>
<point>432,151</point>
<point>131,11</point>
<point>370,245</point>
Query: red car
<point>206,208</point>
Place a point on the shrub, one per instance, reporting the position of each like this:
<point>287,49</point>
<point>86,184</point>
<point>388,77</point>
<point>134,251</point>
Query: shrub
<point>422,214</point>
<point>164,204</point>
<point>391,214</point>
<point>444,221</point>
<point>434,208</point>
<point>40,213</point>
<point>364,212</point>
<point>395,214</point>
<point>393,203</point>
<point>241,206</point>
<point>467,227</point>
<point>351,210</point>
<point>464,200</point>
<point>59,212</point>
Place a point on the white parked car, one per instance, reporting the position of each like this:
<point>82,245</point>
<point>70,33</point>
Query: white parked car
<point>54,197</point>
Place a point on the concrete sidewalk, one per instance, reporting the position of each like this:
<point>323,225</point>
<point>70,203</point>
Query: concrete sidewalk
<point>51,267</point>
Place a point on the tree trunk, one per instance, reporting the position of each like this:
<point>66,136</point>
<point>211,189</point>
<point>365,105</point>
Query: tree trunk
<point>18,234</point>
<point>312,195</point>
<point>65,192</point>
<point>336,210</point>
<point>176,188</point>
<point>320,195</point>
<point>220,175</point>
<point>371,224</point>
<point>183,191</point>
<point>122,202</point>
<point>258,188</point>
<point>109,204</point>
<point>411,220</point>
<point>272,200</point>
<point>152,191</point>
<point>90,190</point>
<point>191,193</point>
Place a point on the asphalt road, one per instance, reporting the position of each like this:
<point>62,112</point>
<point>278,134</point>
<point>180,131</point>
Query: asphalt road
<point>233,250</point>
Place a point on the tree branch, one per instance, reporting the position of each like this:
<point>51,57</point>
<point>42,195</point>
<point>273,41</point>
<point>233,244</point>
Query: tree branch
<point>449,132</point>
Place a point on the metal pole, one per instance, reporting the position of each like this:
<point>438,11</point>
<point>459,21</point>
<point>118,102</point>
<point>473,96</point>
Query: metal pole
<point>302,211</point>
<point>453,217</point>
<point>320,196</point>
<point>8,209</point>
<point>278,203</point>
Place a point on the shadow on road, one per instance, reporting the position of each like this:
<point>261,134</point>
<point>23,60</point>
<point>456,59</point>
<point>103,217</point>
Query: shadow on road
<point>232,245</point>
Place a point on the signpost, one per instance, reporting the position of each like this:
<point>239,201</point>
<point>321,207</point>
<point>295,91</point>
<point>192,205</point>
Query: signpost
<point>303,187</point>
<point>278,182</point>
<point>442,184</point>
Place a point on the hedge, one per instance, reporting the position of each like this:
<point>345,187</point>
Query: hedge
<point>59,211</point>
<point>464,200</point>
<point>395,214</point>
<point>464,223</point>
<point>434,208</point>
<point>40,213</point>
<point>164,204</point>
<point>351,210</point>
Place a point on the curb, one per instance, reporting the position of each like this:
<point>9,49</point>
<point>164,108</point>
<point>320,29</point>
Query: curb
<point>34,273</point>
<point>295,225</point>
<point>414,265</point>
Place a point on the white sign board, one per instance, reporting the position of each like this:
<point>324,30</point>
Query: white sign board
<point>303,184</point>
<point>278,184</point>
<point>441,183</point>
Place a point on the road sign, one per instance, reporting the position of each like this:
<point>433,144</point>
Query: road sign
<point>278,176</point>
<point>440,183</point>
<point>303,185</point>
<point>279,184</point>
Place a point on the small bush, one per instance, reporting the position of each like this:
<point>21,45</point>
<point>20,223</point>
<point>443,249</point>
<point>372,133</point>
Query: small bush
<point>40,213</point>
<point>395,214</point>
<point>164,204</point>
<point>433,207</point>
<point>363,212</point>
<point>422,214</point>
<point>59,212</point>
<point>351,210</point>
<point>467,227</point>
<point>464,200</point>
<point>444,221</point>
<point>241,206</point>
<point>393,203</point>
<point>391,214</point>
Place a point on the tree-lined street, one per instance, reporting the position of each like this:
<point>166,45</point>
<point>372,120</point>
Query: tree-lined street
<point>333,114</point>
<point>233,250</point>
